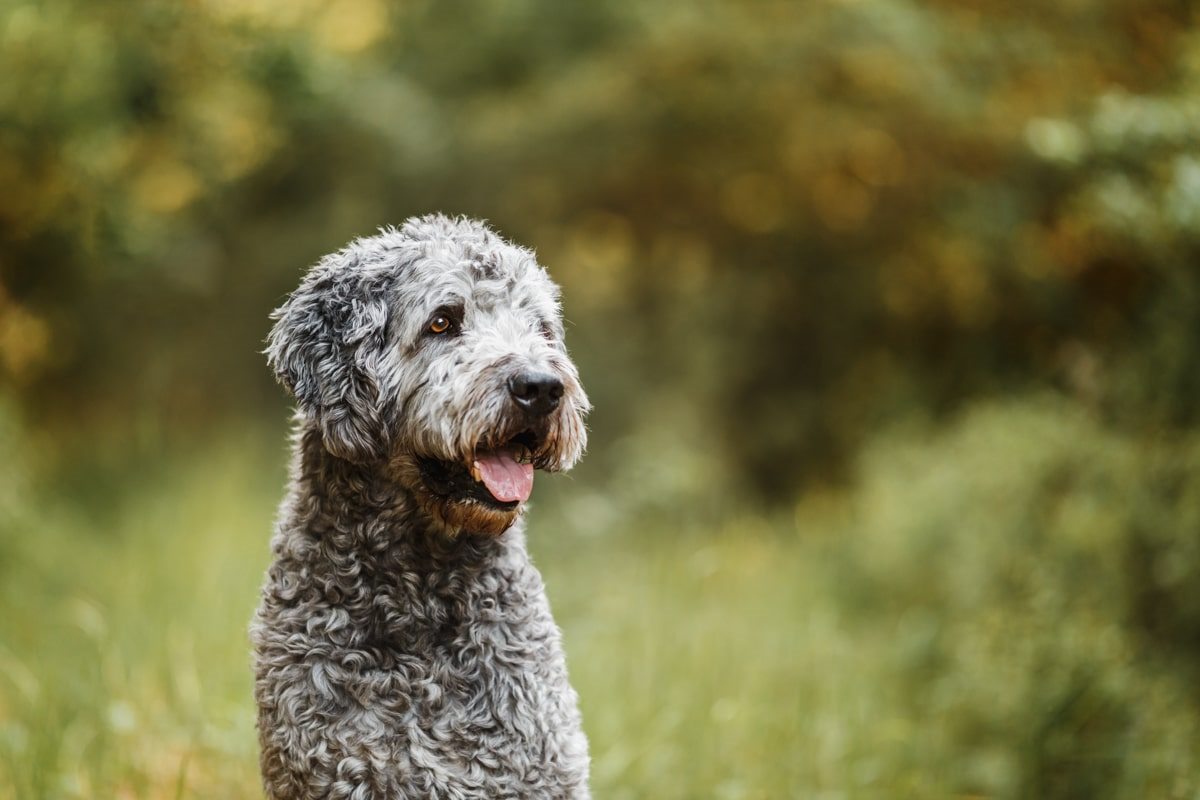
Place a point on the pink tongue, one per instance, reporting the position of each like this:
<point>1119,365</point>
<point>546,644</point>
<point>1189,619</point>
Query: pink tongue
<point>504,476</point>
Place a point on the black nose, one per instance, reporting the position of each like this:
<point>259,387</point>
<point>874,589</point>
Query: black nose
<point>536,392</point>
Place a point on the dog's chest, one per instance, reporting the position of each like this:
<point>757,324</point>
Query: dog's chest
<point>434,679</point>
<point>479,692</point>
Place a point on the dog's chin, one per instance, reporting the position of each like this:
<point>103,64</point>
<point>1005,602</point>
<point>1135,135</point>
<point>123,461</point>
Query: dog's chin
<point>469,516</point>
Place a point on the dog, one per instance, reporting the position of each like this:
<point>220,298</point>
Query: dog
<point>404,646</point>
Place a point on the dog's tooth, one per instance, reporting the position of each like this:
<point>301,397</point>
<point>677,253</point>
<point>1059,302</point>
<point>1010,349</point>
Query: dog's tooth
<point>475,470</point>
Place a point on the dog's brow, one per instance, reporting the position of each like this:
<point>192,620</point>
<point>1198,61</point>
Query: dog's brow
<point>451,300</point>
<point>492,294</point>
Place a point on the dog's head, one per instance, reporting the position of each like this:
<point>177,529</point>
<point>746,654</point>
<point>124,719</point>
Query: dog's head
<point>436,353</point>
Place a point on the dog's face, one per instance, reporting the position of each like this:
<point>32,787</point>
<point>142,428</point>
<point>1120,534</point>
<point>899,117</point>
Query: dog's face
<point>436,352</point>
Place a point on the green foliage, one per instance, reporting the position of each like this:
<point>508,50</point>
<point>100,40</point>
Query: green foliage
<point>799,220</point>
<point>124,662</point>
<point>1006,609</point>
<point>824,251</point>
<point>1043,577</point>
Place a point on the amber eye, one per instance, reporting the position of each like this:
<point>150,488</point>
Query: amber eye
<point>439,324</point>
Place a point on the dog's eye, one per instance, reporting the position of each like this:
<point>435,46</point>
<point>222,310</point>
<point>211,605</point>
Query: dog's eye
<point>445,322</point>
<point>547,330</point>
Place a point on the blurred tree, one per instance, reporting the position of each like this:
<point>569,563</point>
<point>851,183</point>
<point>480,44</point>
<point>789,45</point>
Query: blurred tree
<point>790,221</point>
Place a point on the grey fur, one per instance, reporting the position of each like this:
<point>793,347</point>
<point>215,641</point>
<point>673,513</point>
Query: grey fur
<point>404,646</point>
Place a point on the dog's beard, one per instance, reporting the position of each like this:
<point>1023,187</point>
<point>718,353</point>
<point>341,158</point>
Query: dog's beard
<point>483,488</point>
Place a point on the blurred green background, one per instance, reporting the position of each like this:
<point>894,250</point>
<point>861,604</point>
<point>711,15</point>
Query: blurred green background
<point>890,311</point>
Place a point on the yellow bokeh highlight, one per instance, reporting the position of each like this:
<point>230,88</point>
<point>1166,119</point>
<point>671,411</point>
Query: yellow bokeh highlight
<point>841,202</point>
<point>166,185</point>
<point>350,26</point>
<point>235,120</point>
<point>754,202</point>
<point>24,339</point>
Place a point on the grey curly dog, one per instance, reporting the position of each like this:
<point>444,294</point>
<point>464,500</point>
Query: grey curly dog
<point>404,646</point>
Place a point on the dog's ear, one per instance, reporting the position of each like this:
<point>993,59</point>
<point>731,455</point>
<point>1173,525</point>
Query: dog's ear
<point>326,348</point>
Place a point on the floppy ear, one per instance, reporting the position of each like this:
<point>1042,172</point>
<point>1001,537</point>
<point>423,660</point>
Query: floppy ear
<point>326,348</point>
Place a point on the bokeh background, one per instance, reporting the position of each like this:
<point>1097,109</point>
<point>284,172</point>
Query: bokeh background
<point>890,311</point>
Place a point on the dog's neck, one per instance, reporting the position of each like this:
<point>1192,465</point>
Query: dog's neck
<point>339,486</point>
<point>363,508</point>
<point>359,541</point>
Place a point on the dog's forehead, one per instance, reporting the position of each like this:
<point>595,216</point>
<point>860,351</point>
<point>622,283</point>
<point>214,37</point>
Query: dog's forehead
<point>503,277</point>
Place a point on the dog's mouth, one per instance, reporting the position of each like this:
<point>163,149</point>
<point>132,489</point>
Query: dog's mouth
<point>500,477</point>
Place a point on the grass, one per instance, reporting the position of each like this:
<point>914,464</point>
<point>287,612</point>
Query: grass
<point>836,652</point>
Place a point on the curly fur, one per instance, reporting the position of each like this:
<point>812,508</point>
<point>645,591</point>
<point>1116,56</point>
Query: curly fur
<point>404,646</point>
